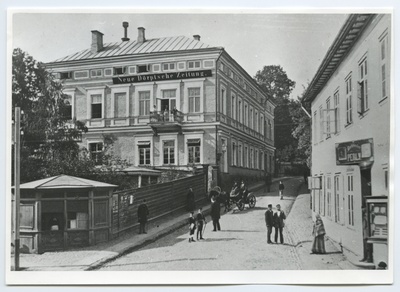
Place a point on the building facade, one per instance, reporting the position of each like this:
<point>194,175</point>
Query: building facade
<point>170,103</point>
<point>350,109</point>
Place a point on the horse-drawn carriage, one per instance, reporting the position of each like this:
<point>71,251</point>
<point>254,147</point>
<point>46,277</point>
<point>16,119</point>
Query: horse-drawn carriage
<point>239,196</point>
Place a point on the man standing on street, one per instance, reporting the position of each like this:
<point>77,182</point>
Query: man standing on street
<point>279,222</point>
<point>269,221</point>
<point>281,188</point>
<point>143,212</point>
<point>215,213</point>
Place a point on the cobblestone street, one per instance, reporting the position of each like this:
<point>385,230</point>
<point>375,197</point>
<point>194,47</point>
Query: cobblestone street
<point>240,245</point>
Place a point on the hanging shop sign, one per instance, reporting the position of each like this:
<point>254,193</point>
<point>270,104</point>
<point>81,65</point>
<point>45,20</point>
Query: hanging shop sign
<point>354,152</point>
<point>162,76</point>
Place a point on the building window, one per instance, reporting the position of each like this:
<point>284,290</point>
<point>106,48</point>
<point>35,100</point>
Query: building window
<point>194,100</point>
<point>256,160</point>
<point>362,105</point>
<point>65,75</point>
<point>169,152</point>
<point>120,105</point>
<point>245,156</point>
<point>67,110</point>
<point>223,101</point>
<point>321,124</point>
<point>251,118</point>
<point>262,125</point>
<point>233,107</point>
<point>96,152</point>
<point>97,106</point>
<point>119,70</point>
<point>269,129</point>
<point>245,114</point>
<point>194,64</point>
<point>142,68</point>
<point>384,66</point>
<point>329,195</point>
<point>350,200</point>
<point>349,102</point>
<point>251,159</point>
<point>314,126</point>
<point>144,153</point>
<point>386,173</point>
<point>222,67</point>
<point>144,103</point>
<point>168,66</point>
<point>336,113</point>
<point>96,73</point>
<point>256,121</point>
<point>193,150</point>
<point>337,199</point>
<point>240,111</point>
<point>240,156</point>
<point>328,118</point>
<point>234,154</point>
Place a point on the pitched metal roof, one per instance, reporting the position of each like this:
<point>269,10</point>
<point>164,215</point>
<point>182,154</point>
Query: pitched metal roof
<point>346,38</point>
<point>63,181</point>
<point>165,44</point>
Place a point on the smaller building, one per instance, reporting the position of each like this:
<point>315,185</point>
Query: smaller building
<point>62,212</point>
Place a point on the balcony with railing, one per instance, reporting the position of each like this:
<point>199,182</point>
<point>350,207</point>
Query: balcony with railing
<point>166,121</point>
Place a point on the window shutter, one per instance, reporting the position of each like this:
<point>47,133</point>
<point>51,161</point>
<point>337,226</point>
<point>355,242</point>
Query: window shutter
<point>359,98</point>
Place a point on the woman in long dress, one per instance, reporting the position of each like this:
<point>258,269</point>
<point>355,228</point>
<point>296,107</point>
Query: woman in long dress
<point>319,236</point>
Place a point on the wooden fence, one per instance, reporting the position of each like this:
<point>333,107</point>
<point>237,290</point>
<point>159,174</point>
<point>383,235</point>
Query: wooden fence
<point>161,199</point>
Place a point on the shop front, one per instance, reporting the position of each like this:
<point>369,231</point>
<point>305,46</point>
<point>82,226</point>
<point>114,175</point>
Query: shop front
<point>64,212</point>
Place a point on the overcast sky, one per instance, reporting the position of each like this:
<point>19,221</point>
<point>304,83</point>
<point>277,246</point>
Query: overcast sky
<point>297,42</point>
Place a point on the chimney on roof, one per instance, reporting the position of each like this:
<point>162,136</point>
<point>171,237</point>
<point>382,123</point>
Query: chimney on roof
<point>196,37</point>
<point>125,25</point>
<point>97,41</point>
<point>141,37</point>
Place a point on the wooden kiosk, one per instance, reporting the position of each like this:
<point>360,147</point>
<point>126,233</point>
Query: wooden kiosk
<point>64,212</point>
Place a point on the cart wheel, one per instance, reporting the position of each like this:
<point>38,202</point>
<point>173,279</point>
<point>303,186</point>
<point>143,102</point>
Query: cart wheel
<point>252,201</point>
<point>240,205</point>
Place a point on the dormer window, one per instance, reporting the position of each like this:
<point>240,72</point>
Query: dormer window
<point>143,68</point>
<point>119,70</point>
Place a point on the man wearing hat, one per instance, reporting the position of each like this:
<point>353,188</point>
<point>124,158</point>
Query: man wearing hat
<point>279,222</point>
<point>269,221</point>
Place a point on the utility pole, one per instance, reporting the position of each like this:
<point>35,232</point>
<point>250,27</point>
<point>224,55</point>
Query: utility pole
<point>17,158</point>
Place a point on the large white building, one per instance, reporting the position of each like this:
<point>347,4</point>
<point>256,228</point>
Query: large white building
<point>170,102</point>
<point>350,107</point>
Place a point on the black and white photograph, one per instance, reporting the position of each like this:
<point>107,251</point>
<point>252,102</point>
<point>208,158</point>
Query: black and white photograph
<point>251,145</point>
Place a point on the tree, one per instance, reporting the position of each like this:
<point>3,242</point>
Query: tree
<point>277,85</point>
<point>48,143</point>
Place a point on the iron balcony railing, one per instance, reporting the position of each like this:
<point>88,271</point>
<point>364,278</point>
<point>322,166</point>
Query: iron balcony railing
<point>166,116</point>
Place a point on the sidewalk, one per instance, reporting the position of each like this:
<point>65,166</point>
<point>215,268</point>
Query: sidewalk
<point>299,227</point>
<point>92,257</point>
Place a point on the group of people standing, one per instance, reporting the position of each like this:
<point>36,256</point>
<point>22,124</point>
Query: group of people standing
<point>199,222</point>
<point>277,220</point>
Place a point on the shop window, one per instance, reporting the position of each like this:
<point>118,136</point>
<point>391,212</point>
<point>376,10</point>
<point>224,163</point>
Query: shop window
<point>193,150</point>
<point>350,200</point>
<point>144,153</point>
<point>169,152</point>
<point>96,73</point>
<point>245,156</point>
<point>77,214</point>
<point>234,154</point>
<point>97,106</point>
<point>194,100</point>
<point>251,159</point>
<point>52,217</point>
<point>377,219</point>
<point>96,152</point>
<point>144,103</point>
<point>240,157</point>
